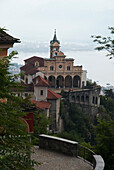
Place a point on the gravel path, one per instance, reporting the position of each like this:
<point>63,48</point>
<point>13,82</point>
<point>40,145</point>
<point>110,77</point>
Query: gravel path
<point>55,161</point>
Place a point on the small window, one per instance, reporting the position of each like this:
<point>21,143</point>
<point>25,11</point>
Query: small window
<point>93,101</point>
<point>60,66</point>
<point>41,92</point>
<point>26,80</point>
<point>51,68</point>
<point>68,67</point>
<point>36,64</point>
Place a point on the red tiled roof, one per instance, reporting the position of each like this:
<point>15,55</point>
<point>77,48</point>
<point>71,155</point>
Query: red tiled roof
<point>41,82</point>
<point>53,95</point>
<point>34,59</point>
<point>41,104</point>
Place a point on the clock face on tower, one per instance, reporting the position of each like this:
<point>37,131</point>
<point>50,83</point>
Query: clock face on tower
<point>60,66</point>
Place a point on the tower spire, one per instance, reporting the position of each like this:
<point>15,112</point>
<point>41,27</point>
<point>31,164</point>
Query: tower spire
<point>55,38</point>
<point>54,45</point>
<point>55,31</point>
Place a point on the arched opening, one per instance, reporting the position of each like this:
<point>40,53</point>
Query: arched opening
<point>87,99</point>
<point>78,98</point>
<point>68,81</point>
<point>96,100</point>
<point>76,81</point>
<point>82,98</point>
<point>60,81</point>
<point>45,78</point>
<point>51,81</point>
<point>73,98</point>
<point>93,100</point>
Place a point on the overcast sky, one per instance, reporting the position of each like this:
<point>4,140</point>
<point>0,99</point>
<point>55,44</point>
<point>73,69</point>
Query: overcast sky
<point>75,21</point>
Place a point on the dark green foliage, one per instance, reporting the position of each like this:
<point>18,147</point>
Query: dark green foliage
<point>109,93</point>
<point>62,109</point>
<point>80,127</point>
<point>108,102</point>
<point>90,84</point>
<point>41,123</point>
<point>14,142</point>
<point>104,130</point>
<point>105,142</point>
<point>106,43</point>
<point>76,123</point>
<point>80,122</point>
<point>85,151</point>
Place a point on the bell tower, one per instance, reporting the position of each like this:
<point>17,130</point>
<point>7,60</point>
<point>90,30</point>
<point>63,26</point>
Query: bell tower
<point>54,46</point>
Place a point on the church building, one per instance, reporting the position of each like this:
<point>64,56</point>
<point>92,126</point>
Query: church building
<point>59,70</point>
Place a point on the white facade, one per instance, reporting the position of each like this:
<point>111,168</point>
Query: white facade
<point>84,78</point>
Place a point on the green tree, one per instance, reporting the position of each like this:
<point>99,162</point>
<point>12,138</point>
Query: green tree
<point>77,125</point>
<point>109,93</point>
<point>105,142</point>
<point>91,84</point>
<point>106,43</point>
<point>107,102</point>
<point>14,143</point>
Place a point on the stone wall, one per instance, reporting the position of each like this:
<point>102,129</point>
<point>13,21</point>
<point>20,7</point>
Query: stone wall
<point>87,99</point>
<point>58,144</point>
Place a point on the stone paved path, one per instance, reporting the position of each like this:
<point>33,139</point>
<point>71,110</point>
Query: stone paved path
<point>55,161</point>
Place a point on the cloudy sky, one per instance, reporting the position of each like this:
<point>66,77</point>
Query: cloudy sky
<point>75,21</point>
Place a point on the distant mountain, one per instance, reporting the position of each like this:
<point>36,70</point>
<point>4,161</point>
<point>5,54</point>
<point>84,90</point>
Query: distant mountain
<point>15,68</point>
<point>30,46</point>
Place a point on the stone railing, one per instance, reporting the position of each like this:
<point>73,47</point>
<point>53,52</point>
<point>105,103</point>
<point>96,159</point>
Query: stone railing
<point>58,144</point>
<point>71,148</point>
<point>98,162</point>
